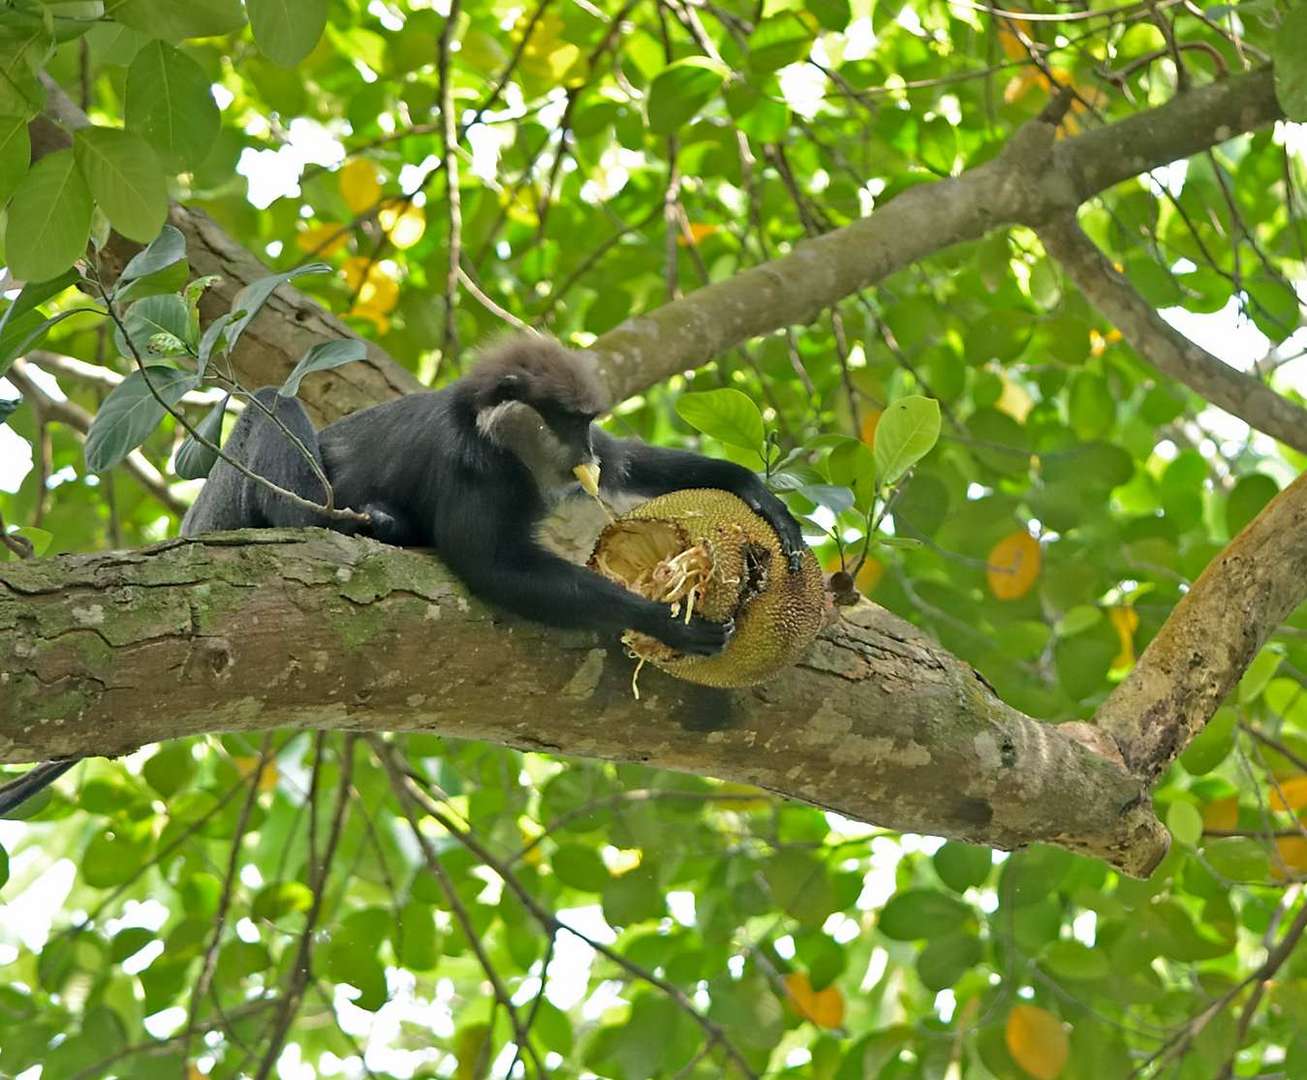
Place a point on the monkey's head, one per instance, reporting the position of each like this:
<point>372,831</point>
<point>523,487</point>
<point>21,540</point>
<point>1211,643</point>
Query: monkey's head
<point>537,400</point>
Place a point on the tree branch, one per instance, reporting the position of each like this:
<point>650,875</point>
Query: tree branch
<point>261,629</point>
<point>1211,637</point>
<point>1168,350</point>
<point>1032,181</point>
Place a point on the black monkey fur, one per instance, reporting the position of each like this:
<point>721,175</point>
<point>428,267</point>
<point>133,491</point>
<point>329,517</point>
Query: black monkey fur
<point>469,471</point>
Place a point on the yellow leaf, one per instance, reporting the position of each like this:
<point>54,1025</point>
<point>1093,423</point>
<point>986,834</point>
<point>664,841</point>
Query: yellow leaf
<point>1290,794</point>
<point>870,422</point>
<point>372,283</point>
<point>377,318</point>
<point>1037,1041</point>
<point>324,239</point>
<point>359,185</point>
<point>1293,853</point>
<point>1126,622</point>
<point>869,576</point>
<point>696,232</point>
<point>1011,44</point>
<point>1015,400</point>
<point>1013,565</point>
<point>404,224</point>
<point>1221,815</point>
<point>825,1008</point>
<point>268,778</point>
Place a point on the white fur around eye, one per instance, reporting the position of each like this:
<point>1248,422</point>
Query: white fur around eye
<point>519,429</point>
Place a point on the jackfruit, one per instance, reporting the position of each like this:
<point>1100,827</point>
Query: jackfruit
<point>704,552</point>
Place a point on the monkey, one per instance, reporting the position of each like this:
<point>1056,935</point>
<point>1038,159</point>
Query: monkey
<point>470,471</point>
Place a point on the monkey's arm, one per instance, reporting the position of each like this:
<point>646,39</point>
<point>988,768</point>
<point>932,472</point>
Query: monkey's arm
<point>628,465</point>
<point>492,551</point>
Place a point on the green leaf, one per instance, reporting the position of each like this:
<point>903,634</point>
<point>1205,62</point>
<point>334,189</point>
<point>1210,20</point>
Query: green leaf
<point>25,332</point>
<point>946,959</point>
<point>681,89</point>
<point>32,296</point>
<point>171,769</point>
<point>49,219</point>
<point>777,41</point>
<point>131,413</point>
<point>154,322</point>
<point>126,179</point>
<point>1071,960</point>
<point>1212,745</point>
<point>1249,496</point>
<point>177,20</point>
<point>417,945</point>
<point>853,464</point>
<point>166,249</point>
<point>1258,674</point>
<point>835,498</point>
<point>907,432</point>
<point>323,357</point>
<point>40,539</point>
<point>726,414</point>
<point>580,867</point>
<point>194,460</point>
<point>963,866</point>
<point>15,154</point>
<point>1001,336</point>
<point>250,300</point>
<point>280,899</point>
<point>801,886</point>
<point>1290,62</point>
<point>170,103</point>
<point>1239,858</point>
<point>1185,822</point>
<point>287,30</point>
<point>113,858</point>
<point>214,338</point>
<point>633,897</point>
<point>4,867</point>
<point>914,914</point>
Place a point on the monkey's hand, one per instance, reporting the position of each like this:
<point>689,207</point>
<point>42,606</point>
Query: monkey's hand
<point>698,637</point>
<point>768,507</point>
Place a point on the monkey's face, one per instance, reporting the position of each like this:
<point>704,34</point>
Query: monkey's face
<point>549,441</point>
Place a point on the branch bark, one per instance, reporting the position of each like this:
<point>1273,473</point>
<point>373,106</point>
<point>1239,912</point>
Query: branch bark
<point>255,630</point>
<point>1035,179</point>
<point>1168,350</point>
<point>1211,637</point>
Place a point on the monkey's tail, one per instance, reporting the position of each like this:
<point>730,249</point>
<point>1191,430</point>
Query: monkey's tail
<point>17,792</point>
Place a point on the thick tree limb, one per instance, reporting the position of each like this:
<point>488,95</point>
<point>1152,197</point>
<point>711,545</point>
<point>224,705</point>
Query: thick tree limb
<point>1034,180</point>
<point>1211,637</point>
<point>1168,350</point>
<point>250,631</point>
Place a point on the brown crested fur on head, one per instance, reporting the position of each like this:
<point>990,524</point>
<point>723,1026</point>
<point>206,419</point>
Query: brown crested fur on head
<point>537,371</point>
